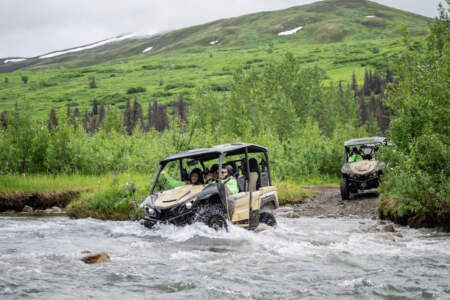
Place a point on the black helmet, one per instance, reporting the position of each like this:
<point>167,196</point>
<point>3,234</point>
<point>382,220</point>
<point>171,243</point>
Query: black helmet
<point>214,168</point>
<point>229,169</point>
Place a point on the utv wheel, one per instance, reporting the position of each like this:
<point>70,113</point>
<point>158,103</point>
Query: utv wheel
<point>267,217</point>
<point>345,194</point>
<point>212,216</point>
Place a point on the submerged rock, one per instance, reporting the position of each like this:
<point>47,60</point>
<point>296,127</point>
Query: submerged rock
<point>96,258</point>
<point>319,243</point>
<point>389,228</point>
<point>387,237</point>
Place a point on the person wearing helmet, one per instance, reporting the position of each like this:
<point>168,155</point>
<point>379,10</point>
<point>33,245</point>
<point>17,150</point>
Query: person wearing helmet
<point>229,181</point>
<point>195,178</point>
<point>355,156</point>
<point>213,174</point>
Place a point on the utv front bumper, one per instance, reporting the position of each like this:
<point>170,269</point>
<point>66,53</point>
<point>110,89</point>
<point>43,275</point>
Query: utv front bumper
<point>167,217</point>
<point>363,182</point>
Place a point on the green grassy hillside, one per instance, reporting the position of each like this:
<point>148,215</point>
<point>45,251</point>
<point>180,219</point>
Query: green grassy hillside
<point>338,36</point>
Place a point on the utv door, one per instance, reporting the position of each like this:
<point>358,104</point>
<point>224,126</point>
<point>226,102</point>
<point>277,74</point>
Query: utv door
<point>240,209</point>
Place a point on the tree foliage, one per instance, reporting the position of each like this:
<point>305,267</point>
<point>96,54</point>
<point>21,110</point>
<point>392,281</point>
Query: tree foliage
<point>418,177</point>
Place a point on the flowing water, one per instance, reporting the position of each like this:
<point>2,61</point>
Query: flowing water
<point>307,257</point>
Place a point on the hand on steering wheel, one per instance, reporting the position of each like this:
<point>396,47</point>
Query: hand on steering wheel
<point>211,180</point>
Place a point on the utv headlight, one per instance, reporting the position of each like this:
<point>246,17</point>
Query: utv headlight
<point>189,205</point>
<point>346,169</point>
<point>150,211</point>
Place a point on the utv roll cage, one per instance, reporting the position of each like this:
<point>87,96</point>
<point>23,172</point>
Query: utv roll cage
<point>218,152</point>
<point>368,142</point>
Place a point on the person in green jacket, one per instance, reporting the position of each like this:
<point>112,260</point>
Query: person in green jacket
<point>355,156</point>
<point>195,177</point>
<point>229,181</point>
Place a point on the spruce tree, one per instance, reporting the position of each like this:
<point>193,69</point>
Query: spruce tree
<point>3,120</point>
<point>93,83</point>
<point>150,121</point>
<point>363,108</point>
<point>95,107</point>
<point>128,121</point>
<point>102,113</point>
<point>86,121</point>
<point>181,109</point>
<point>354,83</point>
<point>137,114</point>
<point>94,125</point>
<point>389,76</point>
<point>366,86</point>
<point>53,121</point>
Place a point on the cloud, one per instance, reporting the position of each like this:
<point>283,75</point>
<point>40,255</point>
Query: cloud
<point>31,28</point>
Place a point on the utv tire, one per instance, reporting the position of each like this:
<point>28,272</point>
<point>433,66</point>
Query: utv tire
<point>213,216</point>
<point>267,217</point>
<point>345,194</point>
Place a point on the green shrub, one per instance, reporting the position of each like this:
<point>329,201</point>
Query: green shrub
<point>417,178</point>
<point>136,90</point>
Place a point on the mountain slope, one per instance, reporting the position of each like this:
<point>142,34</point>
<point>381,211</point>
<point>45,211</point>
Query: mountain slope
<point>340,37</point>
<point>322,22</point>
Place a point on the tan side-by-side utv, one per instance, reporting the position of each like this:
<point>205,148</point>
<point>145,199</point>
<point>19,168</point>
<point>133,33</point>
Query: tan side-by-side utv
<point>211,202</point>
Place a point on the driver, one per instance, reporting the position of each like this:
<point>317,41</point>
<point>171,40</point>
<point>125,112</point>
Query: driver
<point>355,156</point>
<point>229,181</point>
<point>195,178</point>
<point>213,173</point>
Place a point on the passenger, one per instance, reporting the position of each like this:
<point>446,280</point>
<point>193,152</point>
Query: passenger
<point>195,178</point>
<point>213,174</point>
<point>355,156</point>
<point>229,180</point>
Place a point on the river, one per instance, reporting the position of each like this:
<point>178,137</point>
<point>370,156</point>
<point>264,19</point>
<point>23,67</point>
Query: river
<point>306,257</point>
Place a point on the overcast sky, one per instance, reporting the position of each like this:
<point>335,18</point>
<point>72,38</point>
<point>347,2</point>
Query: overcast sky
<point>32,27</point>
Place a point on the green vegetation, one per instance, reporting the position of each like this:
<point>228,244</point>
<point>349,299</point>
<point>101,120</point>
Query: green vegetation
<point>305,140</point>
<point>416,187</point>
<point>293,94</point>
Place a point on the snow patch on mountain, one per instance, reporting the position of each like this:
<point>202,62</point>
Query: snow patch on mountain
<point>371,16</point>
<point>147,49</point>
<point>292,31</point>
<point>98,44</point>
<point>13,60</point>
<point>215,42</point>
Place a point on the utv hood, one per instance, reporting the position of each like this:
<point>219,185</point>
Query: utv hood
<point>363,167</point>
<point>177,195</point>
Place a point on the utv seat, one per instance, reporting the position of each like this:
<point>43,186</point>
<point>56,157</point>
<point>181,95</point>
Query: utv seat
<point>254,174</point>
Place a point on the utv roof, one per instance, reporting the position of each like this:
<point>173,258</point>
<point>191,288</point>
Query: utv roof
<point>216,151</point>
<point>364,141</point>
